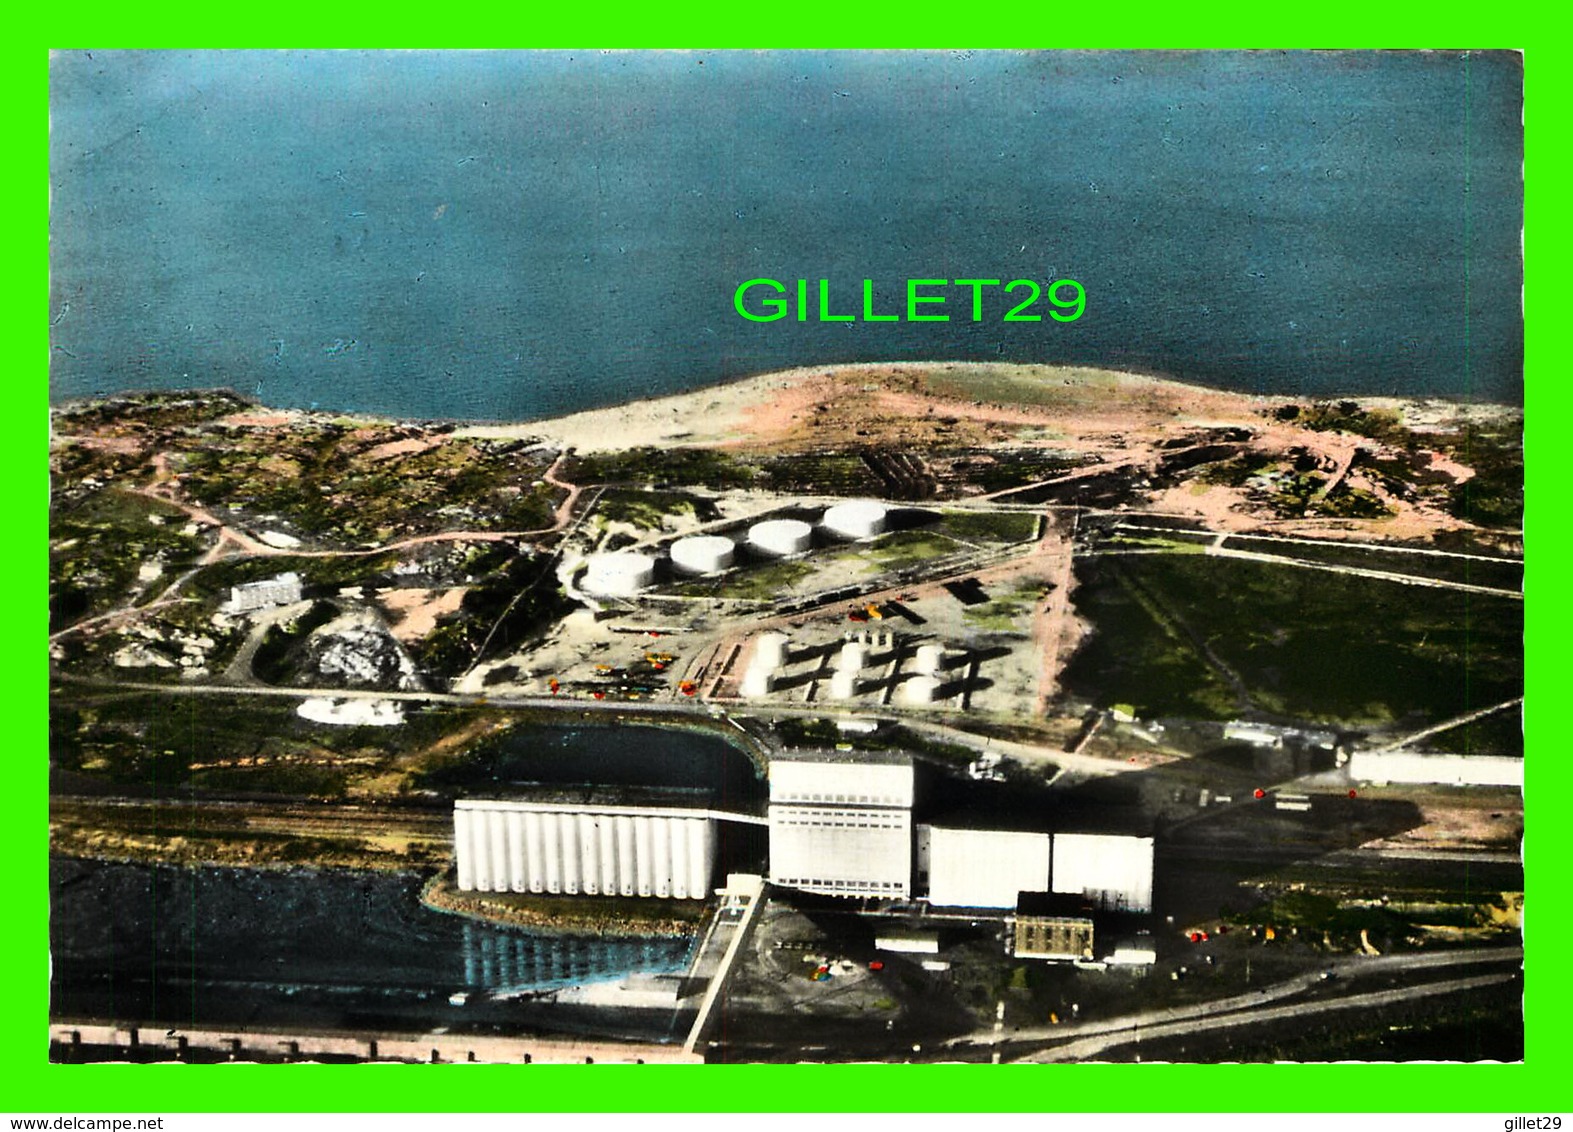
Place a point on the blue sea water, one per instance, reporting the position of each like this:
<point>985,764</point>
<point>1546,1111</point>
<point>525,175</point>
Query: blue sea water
<point>518,235</point>
<point>235,946</point>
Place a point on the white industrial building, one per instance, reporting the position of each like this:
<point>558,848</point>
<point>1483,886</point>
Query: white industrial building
<point>703,554</point>
<point>857,519</point>
<point>868,778</point>
<point>780,538</point>
<point>851,851</point>
<point>1445,770</point>
<point>1113,871</point>
<point>285,589</point>
<point>842,825</point>
<point>983,868</point>
<point>565,848</point>
<point>618,574</point>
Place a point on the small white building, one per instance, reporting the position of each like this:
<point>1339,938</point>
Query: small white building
<point>1417,768</point>
<point>285,589</point>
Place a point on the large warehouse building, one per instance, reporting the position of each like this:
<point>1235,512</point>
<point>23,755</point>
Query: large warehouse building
<point>1114,872</point>
<point>983,868</point>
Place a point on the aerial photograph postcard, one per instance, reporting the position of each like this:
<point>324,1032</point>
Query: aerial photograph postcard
<point>786,556</point>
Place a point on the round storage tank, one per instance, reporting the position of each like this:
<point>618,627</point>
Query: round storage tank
<point>778,538</point>
<point>930,659</point>
<point>770,651</point>
<point>920,690</point>
<point>619,574</point>
<point>853,656</point>
<point>758,682</point>
<point>702,554</point>
<point>858,519</point>
<point>844,684</point>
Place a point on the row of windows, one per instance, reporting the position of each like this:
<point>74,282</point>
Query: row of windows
<point>851,799</point>
<point>859,885</point>
<point>839,823</point>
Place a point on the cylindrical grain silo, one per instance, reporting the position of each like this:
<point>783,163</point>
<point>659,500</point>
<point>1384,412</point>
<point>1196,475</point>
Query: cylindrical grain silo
<point>552,845</point>
<point>517,871</point>
<point>627,878</point>
<point>589,855</point>
<point>701,851</point>
<point>920,690</point>
<point>679,833</point>
<point>661,855</point>
<point>856,519</point>
<point>929,660</point>
<point>779,538</point>
<point>642,849</point>
<point>606,830</point>
<point>462,849</point>
<point>497,823</point>
<point>702,554</point>
<point>622,573</point>
<point>770,650</point>
<point>534,851</point>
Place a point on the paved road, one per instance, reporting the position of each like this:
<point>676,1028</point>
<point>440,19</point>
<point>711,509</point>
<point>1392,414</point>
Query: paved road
<point>1091,1047</point>
<point>1116,1031</point>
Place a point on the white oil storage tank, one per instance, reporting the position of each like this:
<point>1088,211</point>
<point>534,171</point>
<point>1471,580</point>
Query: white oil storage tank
<point>758,682</point>
<point>618,574</point>
<point>844,684</point>
<point>702,554</point>
<point>770,650</point>
<point>930,659</point>
<point>858,519</point>
<point>852,657</point>
<point>778,538</point>
<point>920,690</point>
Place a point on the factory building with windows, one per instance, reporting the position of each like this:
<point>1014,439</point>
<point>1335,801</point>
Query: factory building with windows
<point>842,824</point>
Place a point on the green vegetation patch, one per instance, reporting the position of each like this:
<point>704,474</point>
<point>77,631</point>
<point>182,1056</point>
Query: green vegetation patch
<point>910,548</point>
<point>663,467</point>
<point>759,583</point>
<point>820,474</point>
<point>1306,643</point>
<point>98,544</point>
<point>1494,495</point>
<point>1506,574</point>
<point>650,510</point>
<point>1385,425</point>
<point>990,526</point>
<point>499,613</point>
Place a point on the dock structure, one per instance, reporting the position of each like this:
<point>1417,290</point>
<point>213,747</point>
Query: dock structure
<point>252,1045</point>
<point>742,898</point>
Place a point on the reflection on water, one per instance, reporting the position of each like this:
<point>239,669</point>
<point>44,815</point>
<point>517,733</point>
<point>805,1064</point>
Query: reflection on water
<point>339,948</point>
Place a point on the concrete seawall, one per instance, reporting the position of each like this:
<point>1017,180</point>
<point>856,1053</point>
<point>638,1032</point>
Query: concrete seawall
<point>245,1045</point>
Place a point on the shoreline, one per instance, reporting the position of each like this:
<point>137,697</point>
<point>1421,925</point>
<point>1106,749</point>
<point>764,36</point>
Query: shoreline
<point>440,895</point>
<point>719,413</point>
